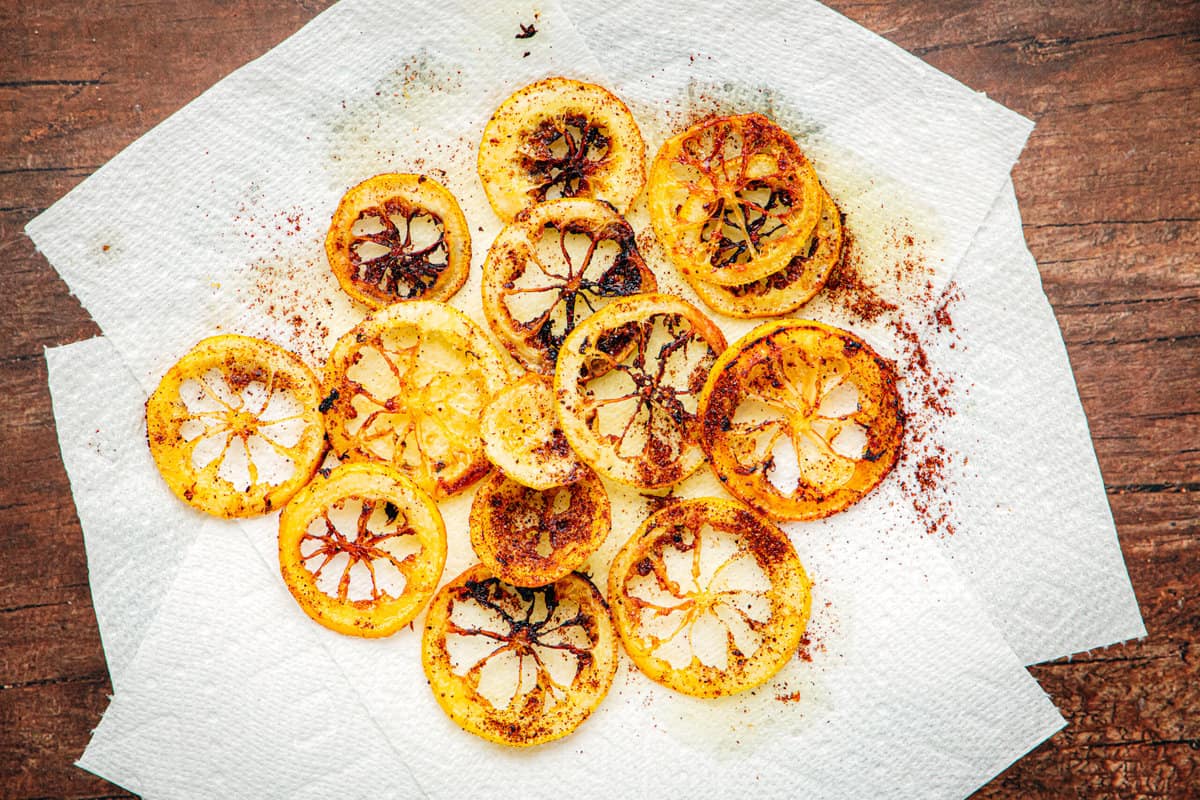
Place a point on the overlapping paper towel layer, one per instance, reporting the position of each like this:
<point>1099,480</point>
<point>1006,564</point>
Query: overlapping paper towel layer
<point>163,255</point>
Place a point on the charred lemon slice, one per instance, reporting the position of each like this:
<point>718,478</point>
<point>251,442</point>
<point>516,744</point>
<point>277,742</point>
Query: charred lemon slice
<point>399,237</point>
<point>518,666</point>
<point>801,419</point>
<point>406,386</point>
<point>532,538</point>
<point>733,199</point>
<point>234,427</point>
<point>362,550</point>
<point>709,599</point>
<point>552,266</point>
<point>521,436</point>
<point>632,416</point>
<point>784,291</point>
<point>561,138</point>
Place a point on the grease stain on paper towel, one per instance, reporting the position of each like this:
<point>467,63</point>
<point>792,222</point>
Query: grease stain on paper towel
<point>797,697</point>
<point>385,128</point>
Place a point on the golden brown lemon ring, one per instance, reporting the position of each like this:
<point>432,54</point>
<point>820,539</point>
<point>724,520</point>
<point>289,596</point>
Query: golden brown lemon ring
<point>407,386</point>
<point>528,537</point>
<point>426,261</point>
<point>561,138</point>
<point>784,291</point>
<point>792,371</point>
<point>521,436</point>
<point>733,199</point>
<point>392,509</point>
<point>568,618</point>
<point>631,416</point>
<point>778,627</point>
<point>557,295</point>
<point>175,432</point>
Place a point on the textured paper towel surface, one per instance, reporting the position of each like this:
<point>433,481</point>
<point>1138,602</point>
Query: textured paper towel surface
<point>1028,491</point>
<point>905,690</point>
<point>135,534</point>
<point>228,694</point>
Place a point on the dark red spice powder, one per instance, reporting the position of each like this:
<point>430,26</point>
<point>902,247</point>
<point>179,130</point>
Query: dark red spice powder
<point>847,288</point>
<point>657,502</point>
<point>803,652</point>
<point>930,399</point>
<point>928,394</point>
<point>282,288</point>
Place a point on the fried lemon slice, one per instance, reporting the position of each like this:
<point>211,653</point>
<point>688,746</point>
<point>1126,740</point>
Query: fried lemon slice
<point>561,138</point>
<point>362,550</point>
<point>532,538</point>
<point>522,438</point>
<point>234,427</point>
<point>406,386</point>
<point>709,599</point>
<point>552,266</point>
<point>632,416</point>
<point>399,237</point>
<point>733,199</point>
<point>784,291</point>
<point>801,419</point>
<point>518,666</point>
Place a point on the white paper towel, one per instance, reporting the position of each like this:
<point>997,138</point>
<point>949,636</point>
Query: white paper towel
<point>1035,536</point>
<point>134,535</point>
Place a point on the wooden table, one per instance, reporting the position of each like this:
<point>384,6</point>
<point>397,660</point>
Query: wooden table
<point>1110,193</point>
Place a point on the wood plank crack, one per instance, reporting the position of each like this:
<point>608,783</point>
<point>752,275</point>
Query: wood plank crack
<point>13,609</point>
<point>1086,223</point>
<point>25,84</point>
<point>1041,43</point>
<point>100,676</point>
<point>1152,488</point>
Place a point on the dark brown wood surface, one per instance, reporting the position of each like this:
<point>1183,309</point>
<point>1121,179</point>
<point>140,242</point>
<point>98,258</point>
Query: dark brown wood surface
<point>1109,187</point>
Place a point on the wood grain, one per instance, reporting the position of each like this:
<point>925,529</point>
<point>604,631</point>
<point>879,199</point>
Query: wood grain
<point>1109,188</point>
